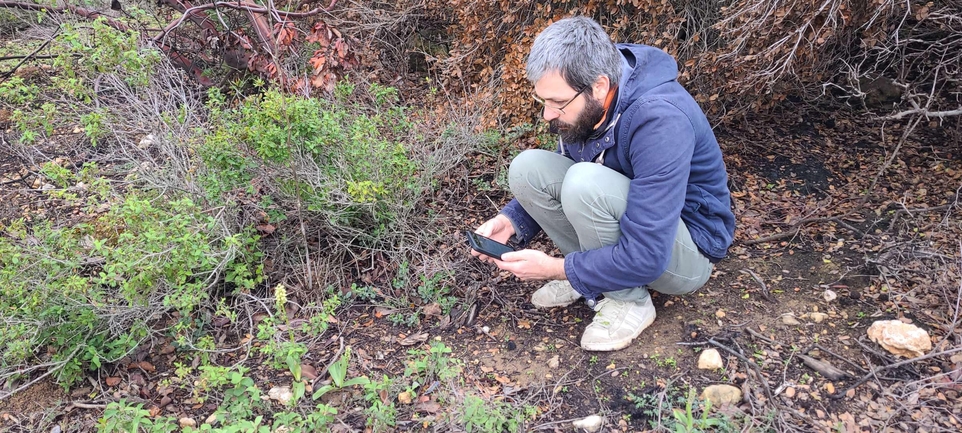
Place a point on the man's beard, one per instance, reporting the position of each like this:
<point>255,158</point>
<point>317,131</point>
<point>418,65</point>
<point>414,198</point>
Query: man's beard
<point>584,125</point>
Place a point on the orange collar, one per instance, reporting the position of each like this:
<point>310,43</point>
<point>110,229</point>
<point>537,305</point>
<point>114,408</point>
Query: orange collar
<point>611,96</point>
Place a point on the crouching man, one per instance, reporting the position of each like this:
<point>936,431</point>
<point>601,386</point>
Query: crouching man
<point>636,196</point>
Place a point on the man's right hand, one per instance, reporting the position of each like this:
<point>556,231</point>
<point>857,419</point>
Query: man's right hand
<point>498,228</point>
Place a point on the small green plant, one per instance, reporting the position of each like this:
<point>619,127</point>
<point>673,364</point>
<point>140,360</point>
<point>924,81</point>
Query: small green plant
<point>339,380</point>
<point>686,420</point>
<point>433,364</point>
<point>477,415</point>
<point>122,417</point>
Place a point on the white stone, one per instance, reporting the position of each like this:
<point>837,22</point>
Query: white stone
<point>280,393</point>
<point>899,338</point>
<point>790,320</point>
<point>148,141</point>
<point>554,362</point>
<point>818,317</point>
<point>710,359</point>
<point>829,295</point>
<point>719,395</point>
<point>590,424</point>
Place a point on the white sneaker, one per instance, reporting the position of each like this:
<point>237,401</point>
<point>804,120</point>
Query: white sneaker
<point>557,293</point>
<point>616,323</point>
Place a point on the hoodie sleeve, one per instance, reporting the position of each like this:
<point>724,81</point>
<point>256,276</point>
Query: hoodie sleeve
<point>525,227</point>
<point>660,140</point>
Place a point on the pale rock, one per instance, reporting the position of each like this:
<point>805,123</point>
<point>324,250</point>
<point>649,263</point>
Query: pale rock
<point>899,338</point>
<point>187,422</point>
<point>790,392</point>
<point>211,420</point>
<point>710,359</point>
<point>829,295</point>
<point>818,317</point>
<point>790,320</point>
<point>282,394</point>
<point>720,395</point>
<point>405,398</point>
<point>148,141</point>
<point>554,362</point>
<point>590,424</point>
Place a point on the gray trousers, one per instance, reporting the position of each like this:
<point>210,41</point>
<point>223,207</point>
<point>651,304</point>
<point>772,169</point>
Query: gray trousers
<point>579,206</point>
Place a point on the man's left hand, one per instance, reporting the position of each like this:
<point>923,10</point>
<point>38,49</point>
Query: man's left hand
<point>533,265</point>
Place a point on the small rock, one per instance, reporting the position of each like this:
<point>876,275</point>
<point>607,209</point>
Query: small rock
<point>899,338</point>
<point>148,141</point>
<point>818,317</point>
<point>710,359</point>
<point>211,420</point>
<point>790,392</point>
<point>187,422</point>
<point>55,429</point>
<point>790,320</point>
<point>720,314</point>
<point>590,424</point>
<point>554,362</point>
<point>829,295</point>
<point>830,388</point>
<point>405,398</point>
<point>854,294</point>
<point>280,393</point>
<point>720,395</point>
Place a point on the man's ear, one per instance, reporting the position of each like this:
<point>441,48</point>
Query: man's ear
<point>599,89</point>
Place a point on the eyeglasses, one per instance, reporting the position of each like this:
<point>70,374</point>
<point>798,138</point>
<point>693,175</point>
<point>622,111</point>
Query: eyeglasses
<point>561,108</point>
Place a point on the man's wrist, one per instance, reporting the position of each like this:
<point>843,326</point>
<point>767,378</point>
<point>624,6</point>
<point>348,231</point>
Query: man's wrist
<point>558,269</point>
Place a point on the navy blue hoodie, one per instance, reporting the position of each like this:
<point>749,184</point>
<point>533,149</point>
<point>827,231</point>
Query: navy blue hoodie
<point>661,140</point>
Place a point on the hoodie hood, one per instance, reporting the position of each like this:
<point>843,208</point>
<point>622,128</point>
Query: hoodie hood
<point>643,69</point>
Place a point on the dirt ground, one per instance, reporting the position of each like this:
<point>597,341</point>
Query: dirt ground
<point>766,306</point>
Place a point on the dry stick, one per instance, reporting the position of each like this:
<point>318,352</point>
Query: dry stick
<point>768,296</point>
<point>881,368</point>
<point>758,372</point>
<point>29,56</point>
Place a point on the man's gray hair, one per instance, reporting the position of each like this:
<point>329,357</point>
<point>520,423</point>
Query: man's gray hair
<point>579,49</point>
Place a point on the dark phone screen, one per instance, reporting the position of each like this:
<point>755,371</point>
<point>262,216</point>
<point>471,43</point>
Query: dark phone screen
<point>487,246</point>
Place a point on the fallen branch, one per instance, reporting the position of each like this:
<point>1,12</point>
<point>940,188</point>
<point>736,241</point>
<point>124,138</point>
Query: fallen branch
<point>29,56</point>
<point>768,296</point>
<point>923,112</point>
<point>873,372</point>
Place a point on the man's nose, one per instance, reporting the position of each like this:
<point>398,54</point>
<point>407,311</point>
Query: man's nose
<point>549,114</point>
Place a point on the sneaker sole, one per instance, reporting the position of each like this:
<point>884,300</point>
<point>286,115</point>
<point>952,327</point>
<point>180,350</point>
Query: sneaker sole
<point>560,304</point>
<point>618,345</point>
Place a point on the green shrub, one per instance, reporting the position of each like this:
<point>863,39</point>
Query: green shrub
<point>347,165</point>
<point>84,294</point>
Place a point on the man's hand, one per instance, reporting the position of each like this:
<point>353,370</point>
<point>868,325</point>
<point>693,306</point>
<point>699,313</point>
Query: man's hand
<point>533,265</point>
<point>498,228</point>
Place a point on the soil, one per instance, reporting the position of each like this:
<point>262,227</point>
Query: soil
<point>781,173</point>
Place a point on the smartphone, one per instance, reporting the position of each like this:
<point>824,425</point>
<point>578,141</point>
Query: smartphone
<point>487,246</point>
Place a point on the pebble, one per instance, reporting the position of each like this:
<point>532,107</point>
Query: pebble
<point>829,295</point>
<point>554,362</point>
<point>187,422</point>
<point>818,317</point>
<point>590,424</point>
<point>790,320</point>
<point>720,395</point>
<point>790,392</point>
<point>720,314</point>
<point>710,359</point>
<point>282,394</point>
